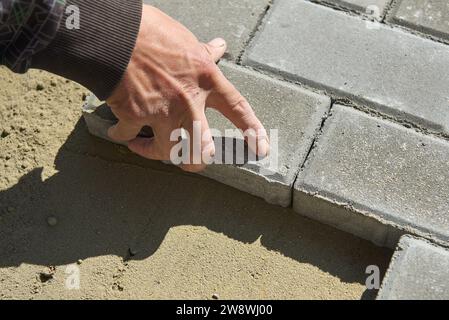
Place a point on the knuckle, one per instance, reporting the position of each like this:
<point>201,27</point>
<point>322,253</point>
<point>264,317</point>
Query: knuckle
<point>207,67</point>
<point>203,62</point>
<point>240,105</point>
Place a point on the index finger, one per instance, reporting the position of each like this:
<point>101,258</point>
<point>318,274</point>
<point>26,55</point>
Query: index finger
<point>230,102</point>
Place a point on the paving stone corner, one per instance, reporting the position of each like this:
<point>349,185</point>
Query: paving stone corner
<point>426,16</point>
<point>419,270</point>
<point>295,113</point>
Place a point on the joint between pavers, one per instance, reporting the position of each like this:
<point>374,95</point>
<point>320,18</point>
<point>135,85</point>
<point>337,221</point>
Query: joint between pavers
<point>345,101</point>
<point>390,118</point>
<point>313,145</point>
<point>349,11</point>
<point>387,19</point>
<point>430,242</point>
<point>425,33</point>
<point>253,33</point>
<point>390,10</point>
<point>410,29</point>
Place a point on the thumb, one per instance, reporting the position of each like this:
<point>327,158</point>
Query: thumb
<point>216,48</point>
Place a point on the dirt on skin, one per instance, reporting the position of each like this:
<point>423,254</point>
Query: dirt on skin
<point>82,219</point>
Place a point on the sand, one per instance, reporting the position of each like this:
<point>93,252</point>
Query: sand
<point>72,204</point>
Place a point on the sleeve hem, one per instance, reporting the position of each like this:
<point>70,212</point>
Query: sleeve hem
<point>97,54</point>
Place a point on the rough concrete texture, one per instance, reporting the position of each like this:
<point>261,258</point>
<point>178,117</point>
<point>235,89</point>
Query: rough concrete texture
<point>296,114</point>
<point>188,242</point>
<point>384,175</point>
<point>371,8</point>
<point>375,65</point>
<point>428,16</point>
<point>419,271</point>
<point>233,20</point>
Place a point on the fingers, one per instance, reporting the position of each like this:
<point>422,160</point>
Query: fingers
<point>228,100</point>
<point>216,48</point>
<point>201,143</point>
<point>192,152</point>
<point>157,148</point>
<point>123,131</point>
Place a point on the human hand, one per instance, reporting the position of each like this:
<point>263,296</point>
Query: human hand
<point>169,82</point>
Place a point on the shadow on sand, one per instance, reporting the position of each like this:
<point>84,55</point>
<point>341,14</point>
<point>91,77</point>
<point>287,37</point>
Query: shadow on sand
<point>109,207</point>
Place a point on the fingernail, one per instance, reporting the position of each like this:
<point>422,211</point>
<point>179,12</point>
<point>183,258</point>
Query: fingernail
<point>263,148</point>
<point>218,42</point>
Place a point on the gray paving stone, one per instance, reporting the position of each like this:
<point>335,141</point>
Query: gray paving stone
<point>233,20</point>
<point>428,16</point>
<point>376,179</point>
<point>295,112</point>
<point>419,271</point>
<point>373,8</point>
<point>375,65</point>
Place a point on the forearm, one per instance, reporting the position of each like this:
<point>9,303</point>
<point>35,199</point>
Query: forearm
<point>96,55</point>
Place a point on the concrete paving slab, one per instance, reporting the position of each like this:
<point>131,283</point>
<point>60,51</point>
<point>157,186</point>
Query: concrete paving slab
<point>372,8</point>
<point>233,20</point>
<point>374,65</point>
<point>419,271</point>
<point>428,16</point>
<point>289,113</point>
<point>295,113</point>
<point>379,179</point>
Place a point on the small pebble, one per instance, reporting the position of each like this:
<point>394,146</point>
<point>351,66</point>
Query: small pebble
<point>132,252</point>
<point>45,276</point>
<point>4,134</point>
<point>80,261</point>
<point>215,296</point>
<point>52,221</point>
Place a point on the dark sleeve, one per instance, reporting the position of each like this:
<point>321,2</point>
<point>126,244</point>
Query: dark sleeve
<point>95,55</point>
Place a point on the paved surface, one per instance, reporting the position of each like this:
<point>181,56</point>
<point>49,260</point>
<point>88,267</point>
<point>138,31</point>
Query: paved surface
<point>232,20</point>
<point>374,65</point>
<point>419,271</point>
<point>388,174</point>
<point>428,16</point>
<point>375,166</point>
<point>371,8</point>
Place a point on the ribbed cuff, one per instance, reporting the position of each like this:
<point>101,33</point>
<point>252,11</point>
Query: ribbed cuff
<point>97,54</point>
